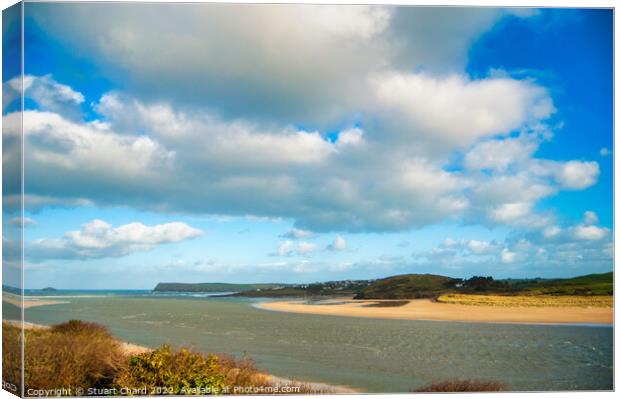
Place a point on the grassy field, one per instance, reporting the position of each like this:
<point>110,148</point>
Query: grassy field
<point>591,284</point>
<point>529,300</point>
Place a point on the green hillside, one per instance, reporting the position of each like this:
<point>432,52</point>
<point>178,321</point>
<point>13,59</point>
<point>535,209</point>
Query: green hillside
<point>408,286</point>
<point>591,284</point>
<point>212,287</point>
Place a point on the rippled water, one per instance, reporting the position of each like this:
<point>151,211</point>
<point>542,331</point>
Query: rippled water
<point>373,355</point>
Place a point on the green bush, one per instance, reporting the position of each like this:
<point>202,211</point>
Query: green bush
<point>173,372</point>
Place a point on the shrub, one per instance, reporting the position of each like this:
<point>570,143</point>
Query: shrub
<point>70,355</point>
<point>181,372</point>
<point>463,386</point>
<point>242,372</point>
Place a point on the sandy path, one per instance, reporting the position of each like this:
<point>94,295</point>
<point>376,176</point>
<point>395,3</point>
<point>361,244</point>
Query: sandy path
<point>424,309</point>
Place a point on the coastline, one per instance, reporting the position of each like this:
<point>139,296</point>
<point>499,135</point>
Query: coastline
<point>15,300</point>
<point>425,309</point>
<point>130,349</point>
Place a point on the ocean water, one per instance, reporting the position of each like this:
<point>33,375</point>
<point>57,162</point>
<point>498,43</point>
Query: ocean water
<point>372,355</point>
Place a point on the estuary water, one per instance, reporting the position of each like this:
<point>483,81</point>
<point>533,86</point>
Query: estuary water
<point>371,355</point>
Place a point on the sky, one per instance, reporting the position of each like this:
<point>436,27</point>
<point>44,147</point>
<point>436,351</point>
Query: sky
<point>298,143</point>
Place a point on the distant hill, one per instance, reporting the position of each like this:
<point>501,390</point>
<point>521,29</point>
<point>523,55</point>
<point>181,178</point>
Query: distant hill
<point>591,284</point>
<point>212,287</point>
<point>408,286</point>
<point>346,288</point>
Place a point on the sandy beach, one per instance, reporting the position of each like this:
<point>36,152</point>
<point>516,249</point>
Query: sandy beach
<point>425,309</point>
<point>28,303</point>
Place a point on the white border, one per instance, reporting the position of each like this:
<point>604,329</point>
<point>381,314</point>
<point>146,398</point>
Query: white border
<point>482,3</point>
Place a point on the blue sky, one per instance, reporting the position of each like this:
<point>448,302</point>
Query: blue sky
<point>166,143</point>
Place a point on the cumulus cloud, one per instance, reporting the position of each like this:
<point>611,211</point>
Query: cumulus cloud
<point>507,256</point>
<point>500,154</point>
<point>605,152</point>
<point>589,232</point>
<point>339,244</point>
<point>158,157</point>
<point>577,175</point>
<point>297,234</point>
<point>459,111</point>
<point>552,250</point>
<point>290,248</point>
<point>99,239</point>
<point>44,90</point>
<point>590,218</point>
<point>306,247</point>
<point>223,56</point>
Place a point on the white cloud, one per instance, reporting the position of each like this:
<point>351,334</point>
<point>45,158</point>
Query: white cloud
<point>583,232</point>
<point>578,175</point>
<point>590,218</point>
<point>289,248</point>
<point>507,256</point>
<point>223,56</point>
<point>353,136</point>
<point>605,152</point>
<point>298,233</point>
<point>55,143</point>
<point>193,161</point>
<point>456,111</point>
<point>480,246</point>
<point>511,212</point>
<point>45,91</point>
<point>339,244</point>
<point>99,239</point>
<point>306,247</point>
<point>285,248</point>
<point>551,231</point>
<point>500,154</point>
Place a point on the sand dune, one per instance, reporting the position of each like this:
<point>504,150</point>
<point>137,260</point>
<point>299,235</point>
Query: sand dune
<point>424,309</point>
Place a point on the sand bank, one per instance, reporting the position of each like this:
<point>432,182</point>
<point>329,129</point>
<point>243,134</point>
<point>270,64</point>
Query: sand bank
<point>28,302</point>
<point>425,309</point>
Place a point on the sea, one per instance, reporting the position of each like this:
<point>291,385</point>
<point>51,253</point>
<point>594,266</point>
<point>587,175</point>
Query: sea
<point>369,355</point>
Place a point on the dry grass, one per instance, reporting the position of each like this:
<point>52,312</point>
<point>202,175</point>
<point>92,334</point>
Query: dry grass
<point>11,355</point>
<point>603,301</point>
<point>463,386</point>
<point>70,355</point>
<point>242,372</point>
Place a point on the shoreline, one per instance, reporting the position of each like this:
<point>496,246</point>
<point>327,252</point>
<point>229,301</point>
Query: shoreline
<point>16,300</point>
<point>427,310</point>
<point>130,349</point>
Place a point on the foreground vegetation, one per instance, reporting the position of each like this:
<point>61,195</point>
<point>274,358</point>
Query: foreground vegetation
<point>78,355</point>
<point>463,386</point>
